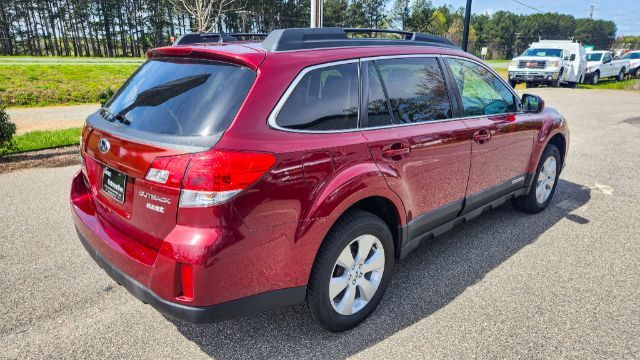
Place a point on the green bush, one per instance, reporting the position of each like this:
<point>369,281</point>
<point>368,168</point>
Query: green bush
<point>7,130</point>
<point>105,95</point>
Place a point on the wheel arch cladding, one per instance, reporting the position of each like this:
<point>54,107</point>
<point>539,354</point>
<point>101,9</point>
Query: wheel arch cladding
<point>561,143</point>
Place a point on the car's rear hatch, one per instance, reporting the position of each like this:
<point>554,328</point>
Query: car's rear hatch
<point>173,106</point>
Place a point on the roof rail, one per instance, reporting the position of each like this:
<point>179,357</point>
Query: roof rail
<point>197,38</point>
<point>314,38</point>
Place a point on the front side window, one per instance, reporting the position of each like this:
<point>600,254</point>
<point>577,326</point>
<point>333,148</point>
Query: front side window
<point>607,57</point>
<point>325,99</point>
<point>416,89</point>
<point>482,92</point>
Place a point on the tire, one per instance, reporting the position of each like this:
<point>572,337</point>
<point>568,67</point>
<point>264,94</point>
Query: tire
<point>572,85</point>
<point>595,78</point>
<point>620,76</point>
<point>513,83</point>
<point>532,85</point>
<point>352,231</point>
<point>558,81</point>
<point>533,202</point>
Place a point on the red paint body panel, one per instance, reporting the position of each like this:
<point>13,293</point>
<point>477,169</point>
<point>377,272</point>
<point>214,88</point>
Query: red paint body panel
<point>435,171</point>
<point>267,237</point>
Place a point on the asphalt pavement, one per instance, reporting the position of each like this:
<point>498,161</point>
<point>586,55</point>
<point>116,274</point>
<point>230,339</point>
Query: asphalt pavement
<point>564,283</point>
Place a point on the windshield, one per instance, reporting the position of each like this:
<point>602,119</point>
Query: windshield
<point>543,52</point>
<point>184,97</point>
<point>594,57</point>
<point>632,56</point>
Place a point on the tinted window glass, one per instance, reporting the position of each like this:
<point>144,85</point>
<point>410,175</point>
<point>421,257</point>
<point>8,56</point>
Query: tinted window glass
<point>607,57</point>
<point>594,57</point>
<point>416,89</point>
<point>378,109</point>
<point>325,99</point>
<point>181,97</point>
<point>482,92</point>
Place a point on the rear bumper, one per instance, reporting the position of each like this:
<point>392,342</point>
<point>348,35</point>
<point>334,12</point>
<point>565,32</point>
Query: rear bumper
<point>151,275</point>
<point>194,314</point>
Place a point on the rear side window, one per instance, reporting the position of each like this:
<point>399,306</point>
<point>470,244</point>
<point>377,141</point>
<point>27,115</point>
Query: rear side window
<point>324,99</point>
<point>377,108</point>
<point>182,97</point>
<point>482,92</point>
<point>416,89</point>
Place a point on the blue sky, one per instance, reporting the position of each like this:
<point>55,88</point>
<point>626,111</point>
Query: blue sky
<point>625,13</point>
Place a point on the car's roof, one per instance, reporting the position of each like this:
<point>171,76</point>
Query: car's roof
<point>251,53</point>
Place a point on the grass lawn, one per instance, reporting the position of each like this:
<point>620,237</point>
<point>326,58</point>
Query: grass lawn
<point>37,140</point>
<point>56,84</point>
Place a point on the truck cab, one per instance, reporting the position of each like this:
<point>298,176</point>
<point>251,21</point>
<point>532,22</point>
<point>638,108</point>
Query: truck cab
<point>550,63</point>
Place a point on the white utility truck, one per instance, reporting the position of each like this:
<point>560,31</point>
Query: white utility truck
<point>600,64</point>
<point>549,62</point>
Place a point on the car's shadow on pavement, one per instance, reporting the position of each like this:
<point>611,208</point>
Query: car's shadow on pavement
<point>425,281</point>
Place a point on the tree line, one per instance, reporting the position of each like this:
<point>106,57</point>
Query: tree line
<point>130,27</point>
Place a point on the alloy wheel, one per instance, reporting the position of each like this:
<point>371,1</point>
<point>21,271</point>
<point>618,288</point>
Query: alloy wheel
<point>546,180</point>
<point>356,275</point>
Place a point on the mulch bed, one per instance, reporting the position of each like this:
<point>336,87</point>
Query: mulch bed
<point>57,157</point>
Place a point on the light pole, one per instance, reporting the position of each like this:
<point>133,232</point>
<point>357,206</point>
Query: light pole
<point>467,20</point>
<point>316,13</point>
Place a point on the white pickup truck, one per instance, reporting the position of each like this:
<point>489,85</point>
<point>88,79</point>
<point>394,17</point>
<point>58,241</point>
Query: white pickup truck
<point>634,62</point>
<point>600,64</point>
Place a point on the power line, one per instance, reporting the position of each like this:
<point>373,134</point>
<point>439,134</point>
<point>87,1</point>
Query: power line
<point>529,6</point>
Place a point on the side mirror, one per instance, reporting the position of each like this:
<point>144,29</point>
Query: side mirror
<point>532,103</point>
<point>572,57</point>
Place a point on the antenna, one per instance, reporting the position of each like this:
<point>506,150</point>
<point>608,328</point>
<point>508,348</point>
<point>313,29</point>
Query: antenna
<point>591,7</point>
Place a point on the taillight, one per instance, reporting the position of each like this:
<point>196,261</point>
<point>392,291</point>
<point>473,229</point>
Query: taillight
<point>169,170</point>
<point>214,177</point>
<point>211,177</point>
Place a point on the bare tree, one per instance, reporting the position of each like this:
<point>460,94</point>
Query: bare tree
<point>206,14</point>
<point>200,12</point>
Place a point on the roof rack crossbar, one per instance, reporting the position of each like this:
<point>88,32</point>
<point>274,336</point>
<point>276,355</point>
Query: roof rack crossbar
<point>406,34</point>
<point>196,38</point>
<point>316,38</point>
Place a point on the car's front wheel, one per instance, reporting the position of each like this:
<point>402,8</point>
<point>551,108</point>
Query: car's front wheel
<point>351,272</point>
<point>544,182</point>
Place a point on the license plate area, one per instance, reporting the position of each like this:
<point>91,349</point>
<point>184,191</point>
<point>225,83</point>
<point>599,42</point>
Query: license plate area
<point>114,183</point>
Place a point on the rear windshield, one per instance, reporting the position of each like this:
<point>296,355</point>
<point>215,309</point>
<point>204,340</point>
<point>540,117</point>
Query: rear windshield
<point>181,97</point>
<point>543,52</point>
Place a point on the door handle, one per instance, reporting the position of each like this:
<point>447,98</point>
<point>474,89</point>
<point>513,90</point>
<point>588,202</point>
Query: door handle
<point>396,151</point>
<point>482,136</point>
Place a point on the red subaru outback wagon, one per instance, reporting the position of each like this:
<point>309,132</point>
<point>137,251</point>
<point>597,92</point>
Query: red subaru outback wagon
<point>229,176</point>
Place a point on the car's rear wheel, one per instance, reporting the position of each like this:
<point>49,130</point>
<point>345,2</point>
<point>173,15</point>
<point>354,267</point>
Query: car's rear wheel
<point>595,78</point>
<point>544,182</point>
<point>620,75</point>
<point>351,272</point>
<point>513,83</point>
